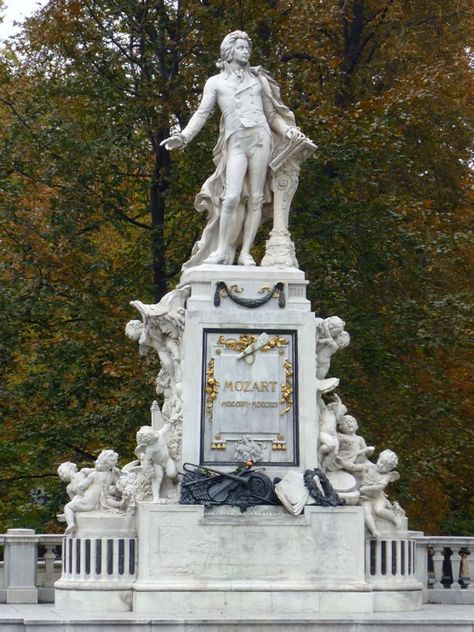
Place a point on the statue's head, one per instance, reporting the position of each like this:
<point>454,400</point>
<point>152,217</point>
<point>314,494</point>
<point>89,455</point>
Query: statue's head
<point>67,470</point>
<point>146,435</point>
<point>335,325</point>
<point>347,424</point>
<point>134,329</point>
<point>228,45</point>
<point>106,460</point>
<point>387,461</point>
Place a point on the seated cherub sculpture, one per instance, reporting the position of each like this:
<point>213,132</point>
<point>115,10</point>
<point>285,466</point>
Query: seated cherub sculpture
<point>95,491</point>
<point>374,478</point>
<point>153,453</point>
<point>352,447</point>
<point>69,474</point>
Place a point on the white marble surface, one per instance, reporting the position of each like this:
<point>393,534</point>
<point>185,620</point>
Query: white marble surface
<point>48,618</point>
<point>251,564</point>
<point>296,316</point>
<point>257,157</point>
<point>19,577</point>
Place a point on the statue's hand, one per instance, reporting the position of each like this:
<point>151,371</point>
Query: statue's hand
<point>294,133</point>
<point>176,141</point>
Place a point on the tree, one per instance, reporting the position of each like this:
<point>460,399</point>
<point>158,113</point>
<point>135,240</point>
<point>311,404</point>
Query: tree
<point>93,214</point>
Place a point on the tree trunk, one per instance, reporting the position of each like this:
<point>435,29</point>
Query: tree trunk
<point>158,188</point>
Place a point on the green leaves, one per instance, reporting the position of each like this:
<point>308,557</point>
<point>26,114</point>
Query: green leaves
<point>92,215</point>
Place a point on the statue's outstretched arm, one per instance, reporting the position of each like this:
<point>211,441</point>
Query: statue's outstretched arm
<point>196,122</point>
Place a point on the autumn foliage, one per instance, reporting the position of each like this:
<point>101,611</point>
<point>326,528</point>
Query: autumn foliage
<point>93,214</point>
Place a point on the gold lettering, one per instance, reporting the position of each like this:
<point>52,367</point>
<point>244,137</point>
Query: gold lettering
<point>247,386</point>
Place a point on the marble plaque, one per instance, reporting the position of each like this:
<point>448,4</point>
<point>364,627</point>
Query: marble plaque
<point>249,391</point>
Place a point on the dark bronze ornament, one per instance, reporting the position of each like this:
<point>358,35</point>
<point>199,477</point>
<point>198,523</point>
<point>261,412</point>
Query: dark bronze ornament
<point>222,291</point>
<point>242,488</point>
<point>323,494</point>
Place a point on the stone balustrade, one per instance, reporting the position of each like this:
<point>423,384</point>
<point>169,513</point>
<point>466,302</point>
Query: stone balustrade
<point>99,559</point>
<point>33,562</point>
<point>444,568</point>
<point>390,558</point>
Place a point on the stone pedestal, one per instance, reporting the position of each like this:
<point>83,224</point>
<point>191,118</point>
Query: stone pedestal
<point>99,563</point>
<point>270,394</point>
<point>391,569</point>
<point>202,563</point>
<point>20,566</point>
<point>244,361</point>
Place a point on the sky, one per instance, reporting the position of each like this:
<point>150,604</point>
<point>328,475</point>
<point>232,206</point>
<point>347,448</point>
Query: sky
<point>16,11</point>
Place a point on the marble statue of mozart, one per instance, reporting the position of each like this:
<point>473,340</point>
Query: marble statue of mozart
<point>254,124</point>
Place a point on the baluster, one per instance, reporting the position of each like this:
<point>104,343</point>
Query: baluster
<point>388,551</point>
<point>93,558</point>
<point>115,555</point>
<point>404,557</point>
<point>438,560</point>
<point>82,570</point>
<point>49,558</point>
<point>73,552</point>
<point>466,569</point>
<point>104,559</point>
<point>455,568</point>
<point>367,556</point>
<point>64,556</point>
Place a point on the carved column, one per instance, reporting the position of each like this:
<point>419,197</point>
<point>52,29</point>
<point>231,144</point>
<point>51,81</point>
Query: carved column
<point>279,249</point>
<point>455,567</point>
<point>438,559</point>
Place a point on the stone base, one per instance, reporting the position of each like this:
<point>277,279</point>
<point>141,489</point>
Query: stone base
<point>49,618</point>
<point>449,596</point>
<point>100,600</point>
<point>397,600</point>
<point>250,565</point>
<point>99,564</point>
<point>250,605</point>
<point>280,250</point>
<point>22,595</point>
<point>199,563</point>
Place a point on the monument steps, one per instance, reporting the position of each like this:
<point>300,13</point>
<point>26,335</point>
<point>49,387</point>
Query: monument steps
<point>45,618</point>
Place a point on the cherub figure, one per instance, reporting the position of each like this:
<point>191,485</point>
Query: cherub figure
<point>95,491</point>
<point>69,474</point>
<point>352,447</point>
<point>330,337</point>
<point>161,328</point>
<point>374,478</point>
<point>329,415</point>
<point>153,453</point>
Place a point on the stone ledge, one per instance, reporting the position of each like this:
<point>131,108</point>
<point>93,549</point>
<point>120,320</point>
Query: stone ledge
<point>47,618</point>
